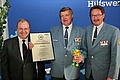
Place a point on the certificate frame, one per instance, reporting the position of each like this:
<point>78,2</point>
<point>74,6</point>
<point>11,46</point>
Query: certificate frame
<point>43,46</point>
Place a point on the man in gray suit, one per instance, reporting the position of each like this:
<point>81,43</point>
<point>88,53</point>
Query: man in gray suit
<point>61,67</point>
<point>103,51</point>
<point>14,64</point>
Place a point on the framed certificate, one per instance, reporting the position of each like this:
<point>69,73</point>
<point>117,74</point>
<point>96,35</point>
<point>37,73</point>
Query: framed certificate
<point>42,49</point>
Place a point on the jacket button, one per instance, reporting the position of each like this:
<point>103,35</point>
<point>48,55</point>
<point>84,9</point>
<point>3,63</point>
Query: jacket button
<point>92,56</point>
<point>24,65</point>
<point>65,55</point>
<point>64,47</point>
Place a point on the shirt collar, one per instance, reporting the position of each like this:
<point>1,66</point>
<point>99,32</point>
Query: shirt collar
<point>100,26</point>
<point>70,26</point>
<point>22,39</point>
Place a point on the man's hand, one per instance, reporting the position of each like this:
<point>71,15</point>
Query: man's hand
<point>110,79</point>
<point>78,59</point>
<point>31,45</point>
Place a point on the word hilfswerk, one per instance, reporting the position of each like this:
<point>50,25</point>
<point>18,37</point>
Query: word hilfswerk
<point>91,3</point>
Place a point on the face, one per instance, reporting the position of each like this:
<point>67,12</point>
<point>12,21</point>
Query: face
<point>23,29</point>
<point>66,17</point>
<point>97,17</point>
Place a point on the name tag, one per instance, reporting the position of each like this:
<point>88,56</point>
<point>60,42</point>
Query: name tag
<point>55,40</point>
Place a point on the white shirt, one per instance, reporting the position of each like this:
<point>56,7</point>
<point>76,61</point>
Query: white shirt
<point>98,29</point>
<point>20,45</point>
<point>69,30</point>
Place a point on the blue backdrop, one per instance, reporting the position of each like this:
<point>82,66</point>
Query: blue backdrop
<point>44,14</point>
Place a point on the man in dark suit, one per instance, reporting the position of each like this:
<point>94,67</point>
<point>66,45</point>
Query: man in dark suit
<point>103,47</point>
<point>61,67</point>
<point>14,64</point>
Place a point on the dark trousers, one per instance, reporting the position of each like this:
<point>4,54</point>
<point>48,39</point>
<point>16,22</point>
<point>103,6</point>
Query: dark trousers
<point>119,75</point>
<point>91,76</point>
<point>56,78</point>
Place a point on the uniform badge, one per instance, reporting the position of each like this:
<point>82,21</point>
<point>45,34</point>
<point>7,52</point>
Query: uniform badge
<point>77,39</point>
<point>104,43</point>
<point>119,41</point>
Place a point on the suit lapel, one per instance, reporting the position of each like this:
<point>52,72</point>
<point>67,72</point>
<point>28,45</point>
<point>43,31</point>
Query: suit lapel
<point>60,35</point>
<point>29,55</point>
<point>16,49</point>
<point>72,35</point>
<point>100,35</point>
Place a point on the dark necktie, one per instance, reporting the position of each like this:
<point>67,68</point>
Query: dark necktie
<point>95,35</point>
<point>24,50</point>
<point>66,36</point>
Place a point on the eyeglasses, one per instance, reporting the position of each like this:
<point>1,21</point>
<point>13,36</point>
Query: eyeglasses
<point>23,28</point>
<point>97,15</point>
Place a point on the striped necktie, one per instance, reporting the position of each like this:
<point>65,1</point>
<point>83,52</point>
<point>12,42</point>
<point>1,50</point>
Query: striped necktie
<point>66,36</point>
<point>95,35</point>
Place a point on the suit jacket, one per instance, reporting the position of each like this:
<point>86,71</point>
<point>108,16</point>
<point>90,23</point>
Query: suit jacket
<point>13,68</point>
<point>103,54</point>
<point>62,65</point>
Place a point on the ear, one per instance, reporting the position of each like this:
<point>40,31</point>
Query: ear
<point>103,15</point>
<point>72,15</point>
